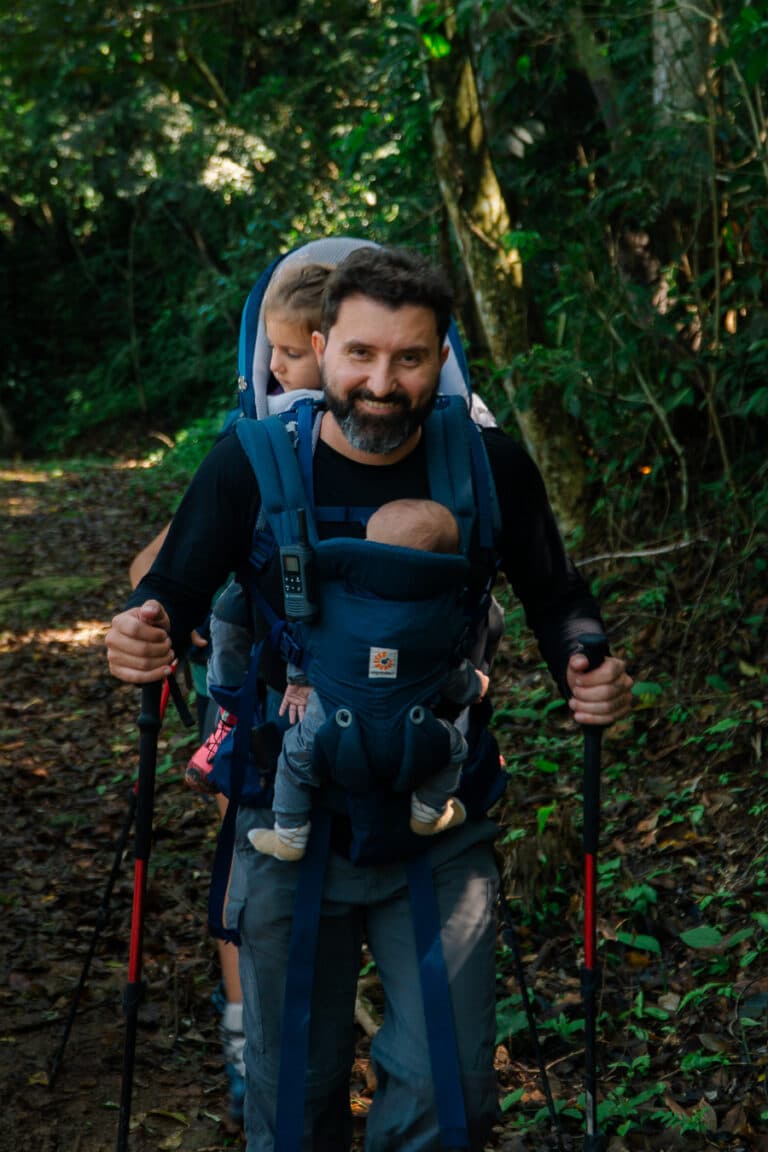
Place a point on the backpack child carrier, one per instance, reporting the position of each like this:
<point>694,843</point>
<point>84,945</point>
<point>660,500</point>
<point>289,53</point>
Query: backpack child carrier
<point>259,395</point>
<point>254,381</point>
<point>378,604</point>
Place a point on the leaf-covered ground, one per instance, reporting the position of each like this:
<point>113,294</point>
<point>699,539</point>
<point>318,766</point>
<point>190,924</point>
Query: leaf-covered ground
<point>683,916</point>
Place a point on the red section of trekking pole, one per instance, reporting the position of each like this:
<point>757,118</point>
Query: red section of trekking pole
<point>137,921</point>
<point>165,692</point>
<point>153,697</point>
<point>595,648</point>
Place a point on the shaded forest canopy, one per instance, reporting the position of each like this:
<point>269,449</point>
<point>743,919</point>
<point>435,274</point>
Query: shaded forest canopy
<point>604,216</point>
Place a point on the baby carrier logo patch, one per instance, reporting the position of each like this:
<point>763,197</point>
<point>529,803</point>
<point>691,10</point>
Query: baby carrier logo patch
<point>382,664</point>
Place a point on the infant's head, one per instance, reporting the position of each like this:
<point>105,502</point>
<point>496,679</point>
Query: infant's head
<point>422,524</point>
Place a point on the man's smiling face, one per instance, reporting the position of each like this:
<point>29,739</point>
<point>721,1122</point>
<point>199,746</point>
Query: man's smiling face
<point>380,367</point>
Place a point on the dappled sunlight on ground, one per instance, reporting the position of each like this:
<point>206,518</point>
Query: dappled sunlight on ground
<point>683,874</point>
<point>19,476</point>
<point>82,634</point>
<point>131,465</point>
<point>21,506</point>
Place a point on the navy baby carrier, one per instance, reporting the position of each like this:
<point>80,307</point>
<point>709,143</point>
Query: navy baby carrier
<point>391,624</point>
<point>373,596</point>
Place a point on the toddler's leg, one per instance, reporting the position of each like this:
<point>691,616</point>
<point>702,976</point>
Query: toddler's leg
<point>429,821</point>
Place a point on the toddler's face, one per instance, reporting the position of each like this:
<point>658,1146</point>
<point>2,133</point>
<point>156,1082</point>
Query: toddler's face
<point>293,362</point>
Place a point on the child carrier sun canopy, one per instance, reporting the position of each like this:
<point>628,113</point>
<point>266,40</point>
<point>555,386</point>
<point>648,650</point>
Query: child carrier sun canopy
<point>254,378</point>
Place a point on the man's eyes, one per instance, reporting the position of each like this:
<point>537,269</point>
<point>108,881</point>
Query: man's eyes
<point>408,359</point>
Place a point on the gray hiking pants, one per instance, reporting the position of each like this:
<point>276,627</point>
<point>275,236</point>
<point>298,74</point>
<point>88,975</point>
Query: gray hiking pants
<point>372,904</point>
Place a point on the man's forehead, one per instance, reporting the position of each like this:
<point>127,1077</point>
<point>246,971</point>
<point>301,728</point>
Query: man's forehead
<point>362,316</point>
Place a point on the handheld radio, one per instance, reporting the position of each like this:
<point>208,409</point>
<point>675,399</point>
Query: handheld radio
<point>297,564</point>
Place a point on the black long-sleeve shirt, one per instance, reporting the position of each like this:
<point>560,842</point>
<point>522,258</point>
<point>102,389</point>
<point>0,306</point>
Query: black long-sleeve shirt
<point>210,536</point>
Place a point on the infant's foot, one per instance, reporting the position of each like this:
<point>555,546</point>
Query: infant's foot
<point>452,815</point>
<point>267,841</point>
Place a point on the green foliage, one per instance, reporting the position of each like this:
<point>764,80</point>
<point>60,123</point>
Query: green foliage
<point>649,282</point>
<point>155,160</point>
<point>681,869</point>
<point>154,163</point>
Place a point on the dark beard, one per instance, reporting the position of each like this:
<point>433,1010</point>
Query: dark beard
<point>376,434</point>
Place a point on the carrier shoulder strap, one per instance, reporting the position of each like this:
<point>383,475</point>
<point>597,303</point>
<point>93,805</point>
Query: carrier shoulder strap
<point>488,511</point>
<point>459,472</point>
<point>450,462</point>
<point>282,489</point>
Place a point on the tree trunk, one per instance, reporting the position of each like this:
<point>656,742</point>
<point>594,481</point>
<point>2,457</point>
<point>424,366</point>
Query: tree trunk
<point>481,224</point>
<point>597,69</point>
<point>679,64</point>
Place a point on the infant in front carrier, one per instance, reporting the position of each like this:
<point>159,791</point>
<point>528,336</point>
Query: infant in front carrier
<point>424,526</point>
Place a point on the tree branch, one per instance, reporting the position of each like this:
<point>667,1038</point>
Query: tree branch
<point>642,553</point>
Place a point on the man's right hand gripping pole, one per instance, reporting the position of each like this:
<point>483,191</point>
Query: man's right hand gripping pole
<point>138,644</point>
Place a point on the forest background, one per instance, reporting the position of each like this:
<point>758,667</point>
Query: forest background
<point>594,176</point>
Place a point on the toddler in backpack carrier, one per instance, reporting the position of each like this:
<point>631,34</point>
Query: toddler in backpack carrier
<point>291,310</point>
<point>381,656</point>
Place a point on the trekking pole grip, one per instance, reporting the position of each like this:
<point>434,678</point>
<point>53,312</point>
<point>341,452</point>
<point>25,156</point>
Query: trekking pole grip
<point>594,645</point>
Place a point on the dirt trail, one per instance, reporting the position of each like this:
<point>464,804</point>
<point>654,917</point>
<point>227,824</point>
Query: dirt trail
<point>683,1035</point>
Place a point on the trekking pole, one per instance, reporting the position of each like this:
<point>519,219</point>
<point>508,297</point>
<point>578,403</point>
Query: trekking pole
<point>595,648</point>
<point>149,727</point>
<point>170,689</point>
<point>102,916</point>
<point>509,936</point>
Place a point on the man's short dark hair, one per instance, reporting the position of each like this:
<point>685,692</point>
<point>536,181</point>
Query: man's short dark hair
<point>393,277</point>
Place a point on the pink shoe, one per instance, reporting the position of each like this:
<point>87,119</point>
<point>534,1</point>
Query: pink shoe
<point>198,773</point>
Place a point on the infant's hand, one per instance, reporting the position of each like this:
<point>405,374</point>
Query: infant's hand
<point>294,701</point>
